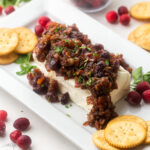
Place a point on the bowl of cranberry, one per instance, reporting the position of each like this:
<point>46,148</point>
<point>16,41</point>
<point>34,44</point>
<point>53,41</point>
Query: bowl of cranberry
<point>91,6</point>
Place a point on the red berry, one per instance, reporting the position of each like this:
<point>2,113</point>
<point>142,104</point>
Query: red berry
<point>1,10</point>
<point>43,20</point>
<point>24,142</point>
<point>9,9</point>
<point>39,30</point>
<point>125,19</point>
<point>48,24</point>
<point>112,16</point>
<point>3,115</point>
<point>15,135</point>
<point>2,128</point>
<point>122,10</point>
<point>134,98</point>
<point>21,124</point>
<point>146,96</point>
<point>142,86</point>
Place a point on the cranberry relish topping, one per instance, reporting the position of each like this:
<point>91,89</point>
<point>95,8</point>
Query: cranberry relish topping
<point>71,54</point>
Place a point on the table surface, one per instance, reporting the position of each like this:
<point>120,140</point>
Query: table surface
<point>51,139</point>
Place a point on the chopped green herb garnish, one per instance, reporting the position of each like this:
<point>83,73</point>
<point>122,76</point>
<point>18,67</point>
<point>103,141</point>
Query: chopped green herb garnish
<point>58,49</point>
<point>66,106</point>
<point>83,47</point>
<point>57,29</point>
<point>90,82</point>
<point>80,79</point>
<point>64,34</point>
<point>24,61</point>
<point>95,54</point>
<point>107,62</point>
<point>76,45</point>
<point>42,85</point>
<point>5,3</point>
<point>25,69</point>
<point>89,49</point>
<point>70,105</point>
<point>67,41</point>
<point>68,115</point>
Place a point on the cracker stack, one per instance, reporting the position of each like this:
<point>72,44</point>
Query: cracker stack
<point>123,132</point>
<point>15,41</point>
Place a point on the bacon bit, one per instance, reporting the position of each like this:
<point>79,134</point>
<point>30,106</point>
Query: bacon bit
<point>39,81</point>
<point>90,100</point>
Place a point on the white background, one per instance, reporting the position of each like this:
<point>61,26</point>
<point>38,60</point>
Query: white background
<point>44,137</point>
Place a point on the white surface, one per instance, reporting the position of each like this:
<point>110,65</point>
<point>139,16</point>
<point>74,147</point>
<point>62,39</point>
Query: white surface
<point>47,137</point>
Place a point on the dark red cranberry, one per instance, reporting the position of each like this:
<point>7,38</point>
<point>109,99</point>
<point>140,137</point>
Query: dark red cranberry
<point>24,142</point>
<point>52,97</point>
<point>125,19</point>
<point>21,124</point>
<point>1,10</point>
<point>98,46</point>
<point>48,24</point>
<point>54,87</point>
<point>39,30</point>
<point>43,20</point>
<point>65,98</point>
<point>146,96</point>
<point>9,10</point>
<point>112,17</point>
<point>134,98</point>
<point>105,54</point>
<point>142,86</point>
<point>54,64</point>
<point>2,128</point>
<point>122,10</point>
<point>15,135</point>
<point>3,115</point>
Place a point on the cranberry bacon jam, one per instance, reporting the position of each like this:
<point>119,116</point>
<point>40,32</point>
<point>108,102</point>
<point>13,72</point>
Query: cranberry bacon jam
<point>94,78</point>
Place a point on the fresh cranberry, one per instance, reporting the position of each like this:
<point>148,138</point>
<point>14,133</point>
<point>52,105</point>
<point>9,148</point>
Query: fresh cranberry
<point>43,20</point>
<point>146,96</point>
<point>2,128</point>
<point>15,135</point>
<point>24,142</point>
<point>39,30</point>
<point>21,124</point>
<point>9,9</point>
<point>122,10</point>
<point>134,98</point>
<point>3,115</point>
<point>111,17</point>
<point>48,24</point>
<point>1,10</point>
<point>142,86</point>
<point>125,19</point>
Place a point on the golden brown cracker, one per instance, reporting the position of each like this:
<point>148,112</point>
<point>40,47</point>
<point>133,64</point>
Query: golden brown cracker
<point>100,142</point>
<point>140,10</point>
<point>7,59</point>
<point>147,140</point>
<point>131,118</point>
<point>8,41</point>
<point>27,40</point>
<point>124,134</point>
<point>141,36</point>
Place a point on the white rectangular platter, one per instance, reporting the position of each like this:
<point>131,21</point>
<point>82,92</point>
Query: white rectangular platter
<point>55,114</point>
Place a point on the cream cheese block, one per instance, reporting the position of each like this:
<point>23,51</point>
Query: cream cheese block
<point>78,95</point>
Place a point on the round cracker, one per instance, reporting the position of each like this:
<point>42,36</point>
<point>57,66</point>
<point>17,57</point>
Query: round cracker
<point>124,134</point>
<point>8,41</point>
<point>7,59</point>
<point>27,40</point>
<point>141,10</point>
<point>147,140</point>
<point>132,118</point>
<point>100,142</point>
<point>141,36</point>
